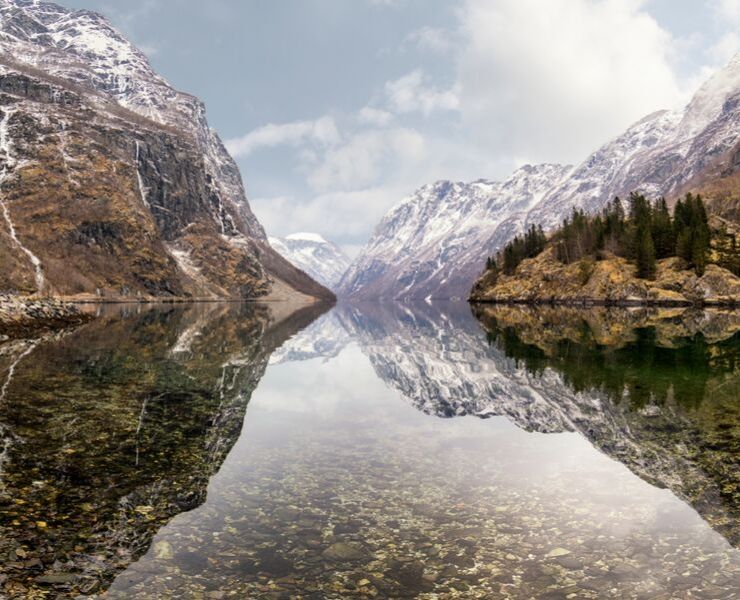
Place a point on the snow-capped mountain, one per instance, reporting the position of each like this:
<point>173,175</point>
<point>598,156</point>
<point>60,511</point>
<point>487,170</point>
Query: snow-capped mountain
<point>435,242</point>
<point>431,244</point>
<point>104,162</point>
<point>310,252</point>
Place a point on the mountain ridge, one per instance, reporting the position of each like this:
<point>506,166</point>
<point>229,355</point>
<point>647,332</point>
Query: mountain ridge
<point>659,155</point>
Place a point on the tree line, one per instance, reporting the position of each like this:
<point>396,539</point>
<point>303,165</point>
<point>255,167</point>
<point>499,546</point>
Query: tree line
<point>643,233</point>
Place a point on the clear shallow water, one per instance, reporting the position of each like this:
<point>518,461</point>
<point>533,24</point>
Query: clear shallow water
<point>193,452</point>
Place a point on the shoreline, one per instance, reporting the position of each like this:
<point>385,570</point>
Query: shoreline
<point>588,302</point>
<point>23,316</point>
<point>27,316</point>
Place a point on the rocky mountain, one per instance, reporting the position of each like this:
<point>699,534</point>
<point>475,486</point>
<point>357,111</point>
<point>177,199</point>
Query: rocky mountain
<point>431,243</point>
<point>112,183</point>
<point>423,246</point>
<point>324,261</point>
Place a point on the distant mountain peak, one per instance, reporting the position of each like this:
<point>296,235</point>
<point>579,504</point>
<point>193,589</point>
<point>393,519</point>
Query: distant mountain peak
<point>324,261</point>
<point>307,237</point>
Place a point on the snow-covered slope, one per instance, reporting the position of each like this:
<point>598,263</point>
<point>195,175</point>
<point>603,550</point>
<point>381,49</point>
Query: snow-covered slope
<point>431,244</point>
<point>80,101</point>
<point>435,242</point>
<point>310,252</point>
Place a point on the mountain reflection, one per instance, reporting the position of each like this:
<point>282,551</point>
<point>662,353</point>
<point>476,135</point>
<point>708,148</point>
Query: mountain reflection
<point>658,391</point>
<point>110,430</point>
<point>670,385</point>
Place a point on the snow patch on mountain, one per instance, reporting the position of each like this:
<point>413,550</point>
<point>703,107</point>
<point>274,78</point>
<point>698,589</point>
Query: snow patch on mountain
<point>83,48</point>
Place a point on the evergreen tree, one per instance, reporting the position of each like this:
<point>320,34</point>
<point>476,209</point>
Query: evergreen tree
<point>640,222</point>
<point>728,251</point>
<point>693,236</point>
<point>644,236</point>
<point>645,254</point>
<point>663,235</point>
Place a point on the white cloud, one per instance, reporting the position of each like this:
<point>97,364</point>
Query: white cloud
<point>322,131</point>
<point>728,10</point>
<point>724,48</point>
<point>336,215</point>
<point>412,93</point>
<point>432,39</point>
<point>374,116</point>
<point>532,81</point>
<point>554,80</point>
<point>365,157</point>
<point>726,13</point>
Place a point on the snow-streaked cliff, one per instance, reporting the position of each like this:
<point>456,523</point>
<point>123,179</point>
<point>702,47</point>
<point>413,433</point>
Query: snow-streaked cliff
<point>113,182</point>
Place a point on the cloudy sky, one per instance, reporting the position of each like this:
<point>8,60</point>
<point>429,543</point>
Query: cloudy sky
<point>336,109</point>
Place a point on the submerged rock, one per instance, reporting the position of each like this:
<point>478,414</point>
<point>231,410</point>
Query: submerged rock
<point>342,552</point>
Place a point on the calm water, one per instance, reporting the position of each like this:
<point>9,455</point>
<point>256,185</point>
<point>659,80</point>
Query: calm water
<point>222,451</point>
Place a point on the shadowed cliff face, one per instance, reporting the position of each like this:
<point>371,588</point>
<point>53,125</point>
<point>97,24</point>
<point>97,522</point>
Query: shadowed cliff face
<point>109,431</point>
<point>656,391</point>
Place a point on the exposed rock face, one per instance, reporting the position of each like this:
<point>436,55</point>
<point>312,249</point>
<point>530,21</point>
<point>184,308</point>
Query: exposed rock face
<point>435,242</point>
<point>324,261</point>
<point>612,281</point>
<point>111,182</point>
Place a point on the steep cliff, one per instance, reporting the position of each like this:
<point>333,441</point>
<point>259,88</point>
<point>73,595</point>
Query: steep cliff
<point>111,182</point>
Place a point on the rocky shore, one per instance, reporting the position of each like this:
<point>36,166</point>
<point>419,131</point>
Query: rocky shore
<point>613,281</point>
<point>21,316</point>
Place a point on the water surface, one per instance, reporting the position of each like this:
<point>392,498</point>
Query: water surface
<point>221,451</point>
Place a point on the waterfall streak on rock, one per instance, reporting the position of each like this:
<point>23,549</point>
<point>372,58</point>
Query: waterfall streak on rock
<point>5,148</point>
